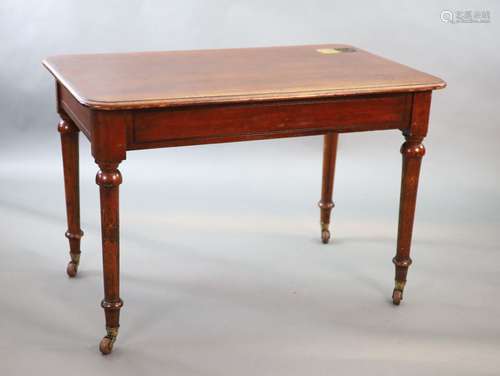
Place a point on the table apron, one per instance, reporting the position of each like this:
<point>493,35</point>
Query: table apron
<point>211,124</point>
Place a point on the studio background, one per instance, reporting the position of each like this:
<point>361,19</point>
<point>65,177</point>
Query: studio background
<point>223,271</point>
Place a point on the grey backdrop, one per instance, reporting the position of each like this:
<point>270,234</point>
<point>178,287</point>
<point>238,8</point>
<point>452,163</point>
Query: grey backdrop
<point>222,268</point>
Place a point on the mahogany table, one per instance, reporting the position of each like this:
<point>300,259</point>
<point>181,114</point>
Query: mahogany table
<point>133,101</point>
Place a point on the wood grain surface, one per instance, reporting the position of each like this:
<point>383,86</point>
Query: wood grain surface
<point>120,81</point>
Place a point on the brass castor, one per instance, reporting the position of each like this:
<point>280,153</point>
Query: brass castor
<point>106,344</point>
<point>325,236</point>
<point>397,296</point>
<point>72,269</point>
<point>325,232</point>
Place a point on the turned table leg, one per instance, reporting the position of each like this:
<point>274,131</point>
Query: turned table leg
<point>109,179</point>
<point>69,145</point>
<point>326,204</point>
<point>412,151</point>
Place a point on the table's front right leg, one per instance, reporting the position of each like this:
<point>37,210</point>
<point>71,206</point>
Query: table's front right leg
<point>412,150</point>
<point>109,179</point>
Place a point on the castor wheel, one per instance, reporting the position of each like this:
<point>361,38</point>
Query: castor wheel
<point>325,236</point>
<point>106,345</point>
<point>72,269</point>
<point>397,296</point>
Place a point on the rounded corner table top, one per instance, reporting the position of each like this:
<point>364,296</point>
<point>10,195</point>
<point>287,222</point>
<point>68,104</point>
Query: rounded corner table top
<point>117,81</point>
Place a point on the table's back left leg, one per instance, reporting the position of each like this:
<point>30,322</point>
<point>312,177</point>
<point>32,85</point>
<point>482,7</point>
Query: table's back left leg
<point>69,144</point>
<point>326,204</point>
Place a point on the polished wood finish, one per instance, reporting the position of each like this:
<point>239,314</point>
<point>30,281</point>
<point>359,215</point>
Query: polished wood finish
<point>109,179</point>
<point>175,78</point>
<point>124,102</point>
<point>326,204</point>
<point>70,154</point>
<point>412,151</point>
<point>194,125</point>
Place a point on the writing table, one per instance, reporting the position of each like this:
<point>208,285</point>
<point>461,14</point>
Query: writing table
<point>132,101</point>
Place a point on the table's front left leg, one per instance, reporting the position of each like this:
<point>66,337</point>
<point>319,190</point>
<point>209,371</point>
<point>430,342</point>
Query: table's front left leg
<point>109,179</point>
<point>412,150</point>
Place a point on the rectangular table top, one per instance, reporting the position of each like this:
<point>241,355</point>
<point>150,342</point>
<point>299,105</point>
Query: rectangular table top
<point>172,78</point>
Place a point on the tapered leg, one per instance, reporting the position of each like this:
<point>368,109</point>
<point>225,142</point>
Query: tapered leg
<point>109,179</point>
<point>69,145</point>
<point>326,204</point>
<point>412,151</point>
